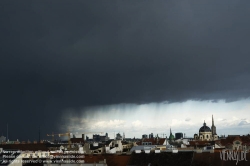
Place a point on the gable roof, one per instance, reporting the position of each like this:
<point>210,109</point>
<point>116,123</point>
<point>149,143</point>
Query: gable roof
<point>237,139</point>
<point>161,141</point>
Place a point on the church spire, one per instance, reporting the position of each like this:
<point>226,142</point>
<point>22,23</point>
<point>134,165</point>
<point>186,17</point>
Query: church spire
<point>171,137</point>
<point>212,120</point>
<point>213,128</point>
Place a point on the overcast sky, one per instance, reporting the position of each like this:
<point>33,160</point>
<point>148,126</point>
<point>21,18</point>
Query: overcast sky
<point>158,118</point>
<point>87,58</point>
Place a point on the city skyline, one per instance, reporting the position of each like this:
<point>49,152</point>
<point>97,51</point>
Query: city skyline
<point>123,64</point>
<point>229,118</point>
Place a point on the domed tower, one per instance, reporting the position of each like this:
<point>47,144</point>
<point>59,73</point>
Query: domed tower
<point>196,136</point>
<point>205,128</point>
<point>205,133</point>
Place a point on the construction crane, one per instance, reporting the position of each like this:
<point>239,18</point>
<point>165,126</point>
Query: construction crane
<point>59,135</point>
<point>90,133</point>
<point>52,137</point>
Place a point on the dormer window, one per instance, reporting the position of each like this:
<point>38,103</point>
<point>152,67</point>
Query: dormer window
<point>237,142</point>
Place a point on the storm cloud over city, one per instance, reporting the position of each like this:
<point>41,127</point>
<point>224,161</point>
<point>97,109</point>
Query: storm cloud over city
<point>124,66</point>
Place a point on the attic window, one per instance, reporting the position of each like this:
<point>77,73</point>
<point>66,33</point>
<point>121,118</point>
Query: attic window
<point>116,145</point>
<point>237,142</point>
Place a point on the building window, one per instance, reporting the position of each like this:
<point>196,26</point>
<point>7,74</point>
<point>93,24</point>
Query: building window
<point>237,142</point>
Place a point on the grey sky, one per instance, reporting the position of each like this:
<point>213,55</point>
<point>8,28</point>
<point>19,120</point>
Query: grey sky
<point>70,54</point>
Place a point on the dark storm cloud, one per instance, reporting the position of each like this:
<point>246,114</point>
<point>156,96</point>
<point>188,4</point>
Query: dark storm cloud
<point>68,54</point>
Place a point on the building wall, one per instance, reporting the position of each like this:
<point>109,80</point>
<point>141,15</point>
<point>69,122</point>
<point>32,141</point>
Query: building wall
<point>119,143</point>
<point>178,135</point>
<point>205,136</point>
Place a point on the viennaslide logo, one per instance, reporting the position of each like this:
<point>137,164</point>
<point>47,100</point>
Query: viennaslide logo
<point>237,155</point>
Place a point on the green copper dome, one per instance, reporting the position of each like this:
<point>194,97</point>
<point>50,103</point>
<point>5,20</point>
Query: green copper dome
<point>171,137</point>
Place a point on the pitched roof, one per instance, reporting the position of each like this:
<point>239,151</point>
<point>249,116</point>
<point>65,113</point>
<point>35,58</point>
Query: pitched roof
<point>231,139</point>
<point>161,141</point>
<point>108,142</point>
<point>226,141</point>
<point>237,139</point>
<point>245,139</point>
<point>201,143</point>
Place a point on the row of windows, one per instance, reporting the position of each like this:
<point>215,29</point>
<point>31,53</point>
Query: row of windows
<point>206,136</point>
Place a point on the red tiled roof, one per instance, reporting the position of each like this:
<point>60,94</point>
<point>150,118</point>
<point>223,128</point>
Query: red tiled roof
<point>161,141</point>
<point>201,143</point>
<point>231,139</point>
<point>245,139</point>
<point>237,139</point>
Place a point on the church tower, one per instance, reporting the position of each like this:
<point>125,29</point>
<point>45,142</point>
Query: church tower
<point>171,136</point>
<point>213,128</point>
